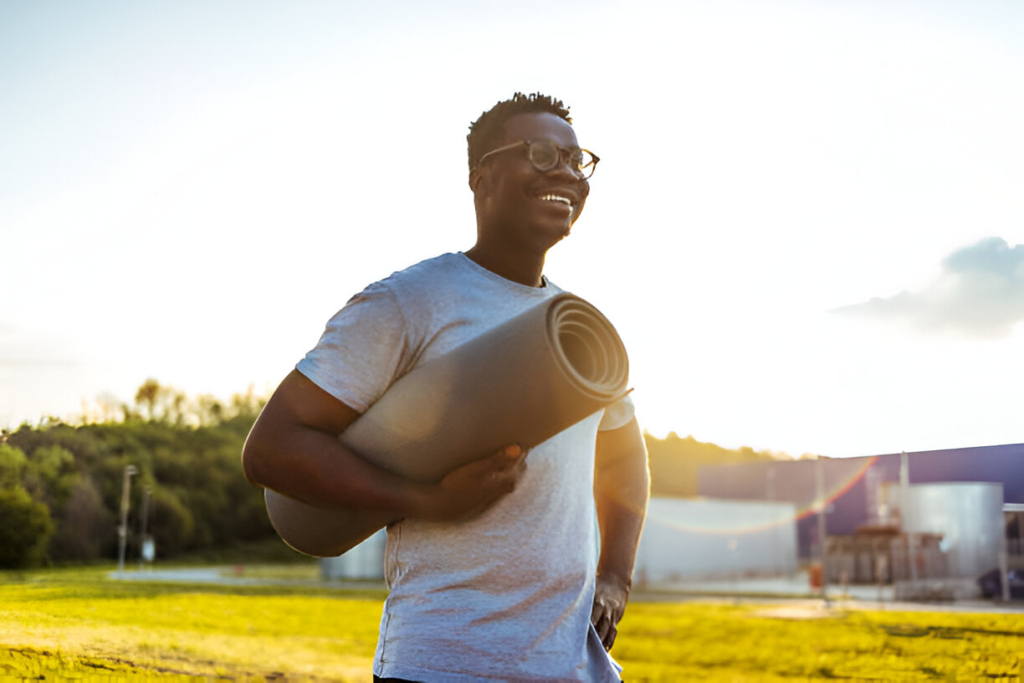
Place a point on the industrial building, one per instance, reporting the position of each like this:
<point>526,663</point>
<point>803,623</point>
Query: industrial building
<point>934,521</point>
<point>928,524</point>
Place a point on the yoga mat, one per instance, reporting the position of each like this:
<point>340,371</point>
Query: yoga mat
<point>521,382</point>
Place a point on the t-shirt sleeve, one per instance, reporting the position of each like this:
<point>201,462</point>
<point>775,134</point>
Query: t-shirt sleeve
<point>617,414</point>
<point>362,351</point>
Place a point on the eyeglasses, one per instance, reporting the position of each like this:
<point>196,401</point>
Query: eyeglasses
<point>546,155</point>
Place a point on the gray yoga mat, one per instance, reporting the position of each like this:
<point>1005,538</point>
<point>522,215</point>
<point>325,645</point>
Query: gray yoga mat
<point>521,382</point>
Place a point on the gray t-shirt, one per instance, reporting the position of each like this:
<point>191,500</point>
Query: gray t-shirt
<point>506,595</point>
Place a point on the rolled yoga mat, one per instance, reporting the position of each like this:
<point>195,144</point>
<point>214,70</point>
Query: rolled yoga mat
<point>521,382</point>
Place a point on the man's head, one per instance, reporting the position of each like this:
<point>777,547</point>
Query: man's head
<point>524,172</point>
<point>488,131</point>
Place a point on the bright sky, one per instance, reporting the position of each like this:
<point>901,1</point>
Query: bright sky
<point>808,222</point>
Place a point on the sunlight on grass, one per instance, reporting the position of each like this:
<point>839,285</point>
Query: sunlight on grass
<point>207,630</point>
<point>76,623</point>
<point>674,642</point>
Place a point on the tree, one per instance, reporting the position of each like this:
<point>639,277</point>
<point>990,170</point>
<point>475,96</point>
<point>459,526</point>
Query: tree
<point>170,523</point>
<point>50,475</point>
<point>12,466</point>
<point>25,528</point>
<point>85,528</point>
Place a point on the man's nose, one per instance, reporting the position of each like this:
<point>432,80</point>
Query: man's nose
<point>564,167</point>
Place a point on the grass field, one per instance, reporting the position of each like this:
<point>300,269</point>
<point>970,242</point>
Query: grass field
<point>75,624</point>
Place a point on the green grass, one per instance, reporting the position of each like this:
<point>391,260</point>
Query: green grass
<point>693,641</point>
<point>68,621</point>
<point>76,624</point>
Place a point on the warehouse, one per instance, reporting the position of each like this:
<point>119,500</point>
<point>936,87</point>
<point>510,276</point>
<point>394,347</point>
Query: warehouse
<point>955,511</point>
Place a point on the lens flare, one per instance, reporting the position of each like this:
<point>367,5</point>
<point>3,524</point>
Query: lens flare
<point>811,508</point>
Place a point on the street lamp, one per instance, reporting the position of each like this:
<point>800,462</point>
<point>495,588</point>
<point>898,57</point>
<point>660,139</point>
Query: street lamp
<point>122,529</point>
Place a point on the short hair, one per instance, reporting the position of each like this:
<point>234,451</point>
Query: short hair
<point>486,131</point>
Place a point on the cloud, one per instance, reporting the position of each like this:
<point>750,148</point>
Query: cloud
<point>979,292</point>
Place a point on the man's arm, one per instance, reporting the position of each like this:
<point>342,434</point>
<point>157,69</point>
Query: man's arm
<point>621,489</point>
<point>293,449</point>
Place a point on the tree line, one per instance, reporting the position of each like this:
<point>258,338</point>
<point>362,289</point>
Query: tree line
<point>61,481</point>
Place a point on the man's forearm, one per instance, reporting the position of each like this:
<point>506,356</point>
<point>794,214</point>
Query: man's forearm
<point>621,492</point>
<point>294,449</point>
<point>316,468</point>
<point>621,499</point>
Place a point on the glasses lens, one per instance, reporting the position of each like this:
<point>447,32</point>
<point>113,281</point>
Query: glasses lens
<point>543,155</point>
<point>546,155</point>
<point>577,159</point>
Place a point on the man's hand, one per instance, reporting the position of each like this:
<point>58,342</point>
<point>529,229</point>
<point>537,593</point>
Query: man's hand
<point>469,490</point>
<point>610,597</point>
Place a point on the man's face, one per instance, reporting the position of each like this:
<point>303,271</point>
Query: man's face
<point>519,206</point>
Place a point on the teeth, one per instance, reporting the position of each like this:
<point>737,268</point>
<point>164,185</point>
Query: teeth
<point>556,198</point>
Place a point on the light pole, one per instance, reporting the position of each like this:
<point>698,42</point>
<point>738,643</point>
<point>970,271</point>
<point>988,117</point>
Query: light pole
<point>122,529</point>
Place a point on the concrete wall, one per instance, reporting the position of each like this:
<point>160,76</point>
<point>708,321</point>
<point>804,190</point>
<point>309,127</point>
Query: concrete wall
<point>692,539</point>
<point>365,561</point>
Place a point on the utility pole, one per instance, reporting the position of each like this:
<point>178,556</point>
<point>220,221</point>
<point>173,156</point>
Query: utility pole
<point>122,528</point>
<point>904,508</point>
<point>820,481</point>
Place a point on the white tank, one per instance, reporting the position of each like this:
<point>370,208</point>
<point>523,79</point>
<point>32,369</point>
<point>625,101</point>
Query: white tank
<point>969,515</point>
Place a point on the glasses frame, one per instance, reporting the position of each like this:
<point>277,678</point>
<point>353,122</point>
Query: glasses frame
<point>563,157</point>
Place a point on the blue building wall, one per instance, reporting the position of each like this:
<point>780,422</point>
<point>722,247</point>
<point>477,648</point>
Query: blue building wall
<point>845,482</point>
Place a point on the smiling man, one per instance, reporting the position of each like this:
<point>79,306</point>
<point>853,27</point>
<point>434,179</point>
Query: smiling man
<point>494,572</point>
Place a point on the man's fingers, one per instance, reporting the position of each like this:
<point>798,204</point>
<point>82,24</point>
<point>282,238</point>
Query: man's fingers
<point>505,480</point>
<point>509,456</point>
<point>469,490</point>
<point>609,638</point>
<point>509,464</point>
<point>605,616</point>
<point>605,627</point>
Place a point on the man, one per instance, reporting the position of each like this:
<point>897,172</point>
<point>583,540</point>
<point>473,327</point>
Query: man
<point>494,571</point>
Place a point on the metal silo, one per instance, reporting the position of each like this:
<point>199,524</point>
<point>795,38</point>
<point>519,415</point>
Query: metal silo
<point>969,515</point>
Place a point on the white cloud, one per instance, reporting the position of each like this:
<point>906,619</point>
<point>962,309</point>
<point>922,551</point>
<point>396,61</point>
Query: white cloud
<point>979,292</point>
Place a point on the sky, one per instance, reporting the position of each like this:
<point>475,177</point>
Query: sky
<point>807,224</point>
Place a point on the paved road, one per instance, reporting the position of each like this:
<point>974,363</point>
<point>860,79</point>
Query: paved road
<point>766,592</point>
<point>228,576</point>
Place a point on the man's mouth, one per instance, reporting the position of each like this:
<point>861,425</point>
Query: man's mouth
<point>556,198</point>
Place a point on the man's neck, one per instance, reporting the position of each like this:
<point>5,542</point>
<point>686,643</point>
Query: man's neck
<point>526,271</point>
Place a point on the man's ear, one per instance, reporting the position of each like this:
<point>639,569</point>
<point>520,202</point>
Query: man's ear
<point>474,178</point>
